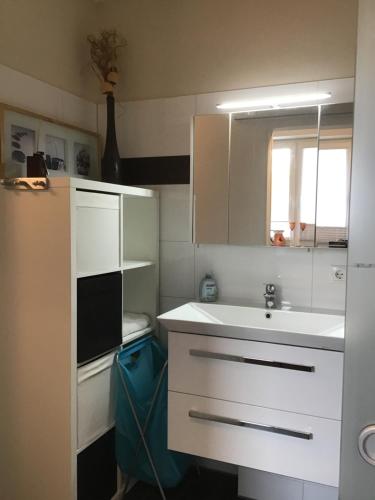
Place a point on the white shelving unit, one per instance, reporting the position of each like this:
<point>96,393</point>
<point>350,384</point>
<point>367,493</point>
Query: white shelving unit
<point>134,264</point>
<point>50,239</point>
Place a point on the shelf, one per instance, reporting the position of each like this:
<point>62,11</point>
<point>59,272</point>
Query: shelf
<point>97,272</point>
<point>134,264</point>
<point>136,335</point>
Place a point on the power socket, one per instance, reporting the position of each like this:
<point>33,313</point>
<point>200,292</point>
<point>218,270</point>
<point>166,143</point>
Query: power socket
<point>338,273</point>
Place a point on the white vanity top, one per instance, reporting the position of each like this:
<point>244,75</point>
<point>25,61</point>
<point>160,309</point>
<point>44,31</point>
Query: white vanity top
<point>306,329</point>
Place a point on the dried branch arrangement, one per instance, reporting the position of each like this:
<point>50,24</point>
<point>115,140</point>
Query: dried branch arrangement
<point>104,52</point>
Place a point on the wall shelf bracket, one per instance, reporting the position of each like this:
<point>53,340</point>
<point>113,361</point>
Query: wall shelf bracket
<point>26,183</point>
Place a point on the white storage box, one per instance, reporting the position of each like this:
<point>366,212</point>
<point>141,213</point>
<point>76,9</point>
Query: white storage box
<point>98,232</point>
<point>95,400</point>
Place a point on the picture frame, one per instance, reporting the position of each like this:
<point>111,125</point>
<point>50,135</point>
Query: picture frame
<point>69,150</point>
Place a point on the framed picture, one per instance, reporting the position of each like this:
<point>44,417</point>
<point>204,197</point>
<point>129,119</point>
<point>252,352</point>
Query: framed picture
<point>82,160</point>
<point>55,155</point>
<point>68,150</point>
<point>22,143</point>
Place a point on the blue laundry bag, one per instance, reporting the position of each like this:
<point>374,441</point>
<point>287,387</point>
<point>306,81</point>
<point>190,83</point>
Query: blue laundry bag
<point>141,365</point>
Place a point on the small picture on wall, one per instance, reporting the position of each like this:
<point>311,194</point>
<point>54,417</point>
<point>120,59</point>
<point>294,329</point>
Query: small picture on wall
<point>82,159</point>
<point>55,154</point>
<point>22,143</point>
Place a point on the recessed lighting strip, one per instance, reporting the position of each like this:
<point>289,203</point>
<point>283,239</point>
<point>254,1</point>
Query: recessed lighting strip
<point>275,101</point>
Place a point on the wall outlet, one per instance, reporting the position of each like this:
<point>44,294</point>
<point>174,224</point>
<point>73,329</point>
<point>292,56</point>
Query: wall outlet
<point>338,273</point>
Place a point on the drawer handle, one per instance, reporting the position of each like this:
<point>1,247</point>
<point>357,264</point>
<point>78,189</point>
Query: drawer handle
<point>250,425</point>
<point>251,361</point>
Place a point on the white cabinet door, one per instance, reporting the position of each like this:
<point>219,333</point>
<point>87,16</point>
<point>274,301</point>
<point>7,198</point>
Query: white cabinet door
<point>232,369</point>
<point>211,176</point>
<point>98,232</point>
<point>281,442</point>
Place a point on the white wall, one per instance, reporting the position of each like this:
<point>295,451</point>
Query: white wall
<point>162,127</point>
<point>304,276</point>
<point>46,39</point>
<point>23,91</point>
<point>192,46</point>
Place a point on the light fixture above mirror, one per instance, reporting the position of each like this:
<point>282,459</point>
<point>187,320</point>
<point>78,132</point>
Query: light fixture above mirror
<point>276,102</point>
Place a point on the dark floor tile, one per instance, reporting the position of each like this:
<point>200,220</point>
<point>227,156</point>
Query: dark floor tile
<point>203,484</point>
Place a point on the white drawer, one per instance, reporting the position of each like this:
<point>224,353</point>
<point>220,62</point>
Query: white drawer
<point>199,365</point>
<point>315,459</point>
<point>95,400</point>
<point>98,232</point>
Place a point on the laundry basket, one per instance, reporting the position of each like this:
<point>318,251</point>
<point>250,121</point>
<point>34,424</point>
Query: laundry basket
<point>141,416</point>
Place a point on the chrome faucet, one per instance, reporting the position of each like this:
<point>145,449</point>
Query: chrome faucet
<point>270,296</point>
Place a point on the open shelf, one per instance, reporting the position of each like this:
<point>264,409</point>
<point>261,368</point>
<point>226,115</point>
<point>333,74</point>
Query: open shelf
<point>134,264</point>
<point>97,272</point>
<point>140,231</point>
<point>136,335</point>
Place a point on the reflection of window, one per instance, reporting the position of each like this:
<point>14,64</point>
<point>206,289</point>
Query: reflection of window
<point>296,187</point>
<point>293,173</point>
<point>333,190</point>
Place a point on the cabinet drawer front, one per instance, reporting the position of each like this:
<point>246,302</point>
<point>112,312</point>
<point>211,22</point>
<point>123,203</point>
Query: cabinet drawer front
<point>296,379</point>
<point>95,400</point>
<point>280,442</point>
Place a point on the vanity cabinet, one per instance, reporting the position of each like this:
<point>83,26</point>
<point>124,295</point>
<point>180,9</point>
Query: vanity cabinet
<point>307,381</point>
<point>68,282</point>
<point>271,407</point>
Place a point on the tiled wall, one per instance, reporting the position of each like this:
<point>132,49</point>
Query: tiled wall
<point>162,127</point>
<point>304,276</point>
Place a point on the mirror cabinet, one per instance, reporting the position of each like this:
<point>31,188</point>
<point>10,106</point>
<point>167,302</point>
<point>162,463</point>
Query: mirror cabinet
<point>277,177</point>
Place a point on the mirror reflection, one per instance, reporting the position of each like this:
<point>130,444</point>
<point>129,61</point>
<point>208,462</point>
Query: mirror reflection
<point>333,181</point>
<point>288,176</point>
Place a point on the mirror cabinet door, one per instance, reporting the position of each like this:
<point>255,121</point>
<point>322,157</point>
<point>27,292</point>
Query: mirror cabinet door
<point>248,204</point>
<point>210,178</point>
<point>273,177</point>
<point>273,167</point>
<point>333,183</point>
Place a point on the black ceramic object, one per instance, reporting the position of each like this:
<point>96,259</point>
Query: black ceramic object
<point>36,165</point>
<point>111,158</point>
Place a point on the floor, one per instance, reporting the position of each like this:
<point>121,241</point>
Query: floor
<point>203,484</point>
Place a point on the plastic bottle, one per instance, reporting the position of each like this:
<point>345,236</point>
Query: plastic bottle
<point>208,289</point>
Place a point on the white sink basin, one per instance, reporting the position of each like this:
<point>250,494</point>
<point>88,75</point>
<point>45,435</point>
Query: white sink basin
<point>322,331</point>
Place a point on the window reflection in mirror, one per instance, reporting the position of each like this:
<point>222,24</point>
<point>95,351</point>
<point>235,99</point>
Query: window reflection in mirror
<point>310,181</point>
<point>273,177</point>
<point>273,164</point>
<point>333,182</point>
<point>293,172</point>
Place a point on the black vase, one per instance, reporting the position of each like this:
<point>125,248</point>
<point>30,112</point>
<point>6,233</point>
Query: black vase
<point>111,171</point>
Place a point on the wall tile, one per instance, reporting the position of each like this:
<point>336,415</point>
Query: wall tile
<point>176,269</point>
<point>158,127</point>
<point>327,293</point>
<point>242,272</point>
<point>167,304</point>
<point>175,213</point>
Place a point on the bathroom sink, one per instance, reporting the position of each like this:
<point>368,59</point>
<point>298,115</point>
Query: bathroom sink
<point>308,329</point>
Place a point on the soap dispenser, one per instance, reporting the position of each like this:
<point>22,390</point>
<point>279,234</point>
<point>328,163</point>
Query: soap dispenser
<point>208,289</point>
